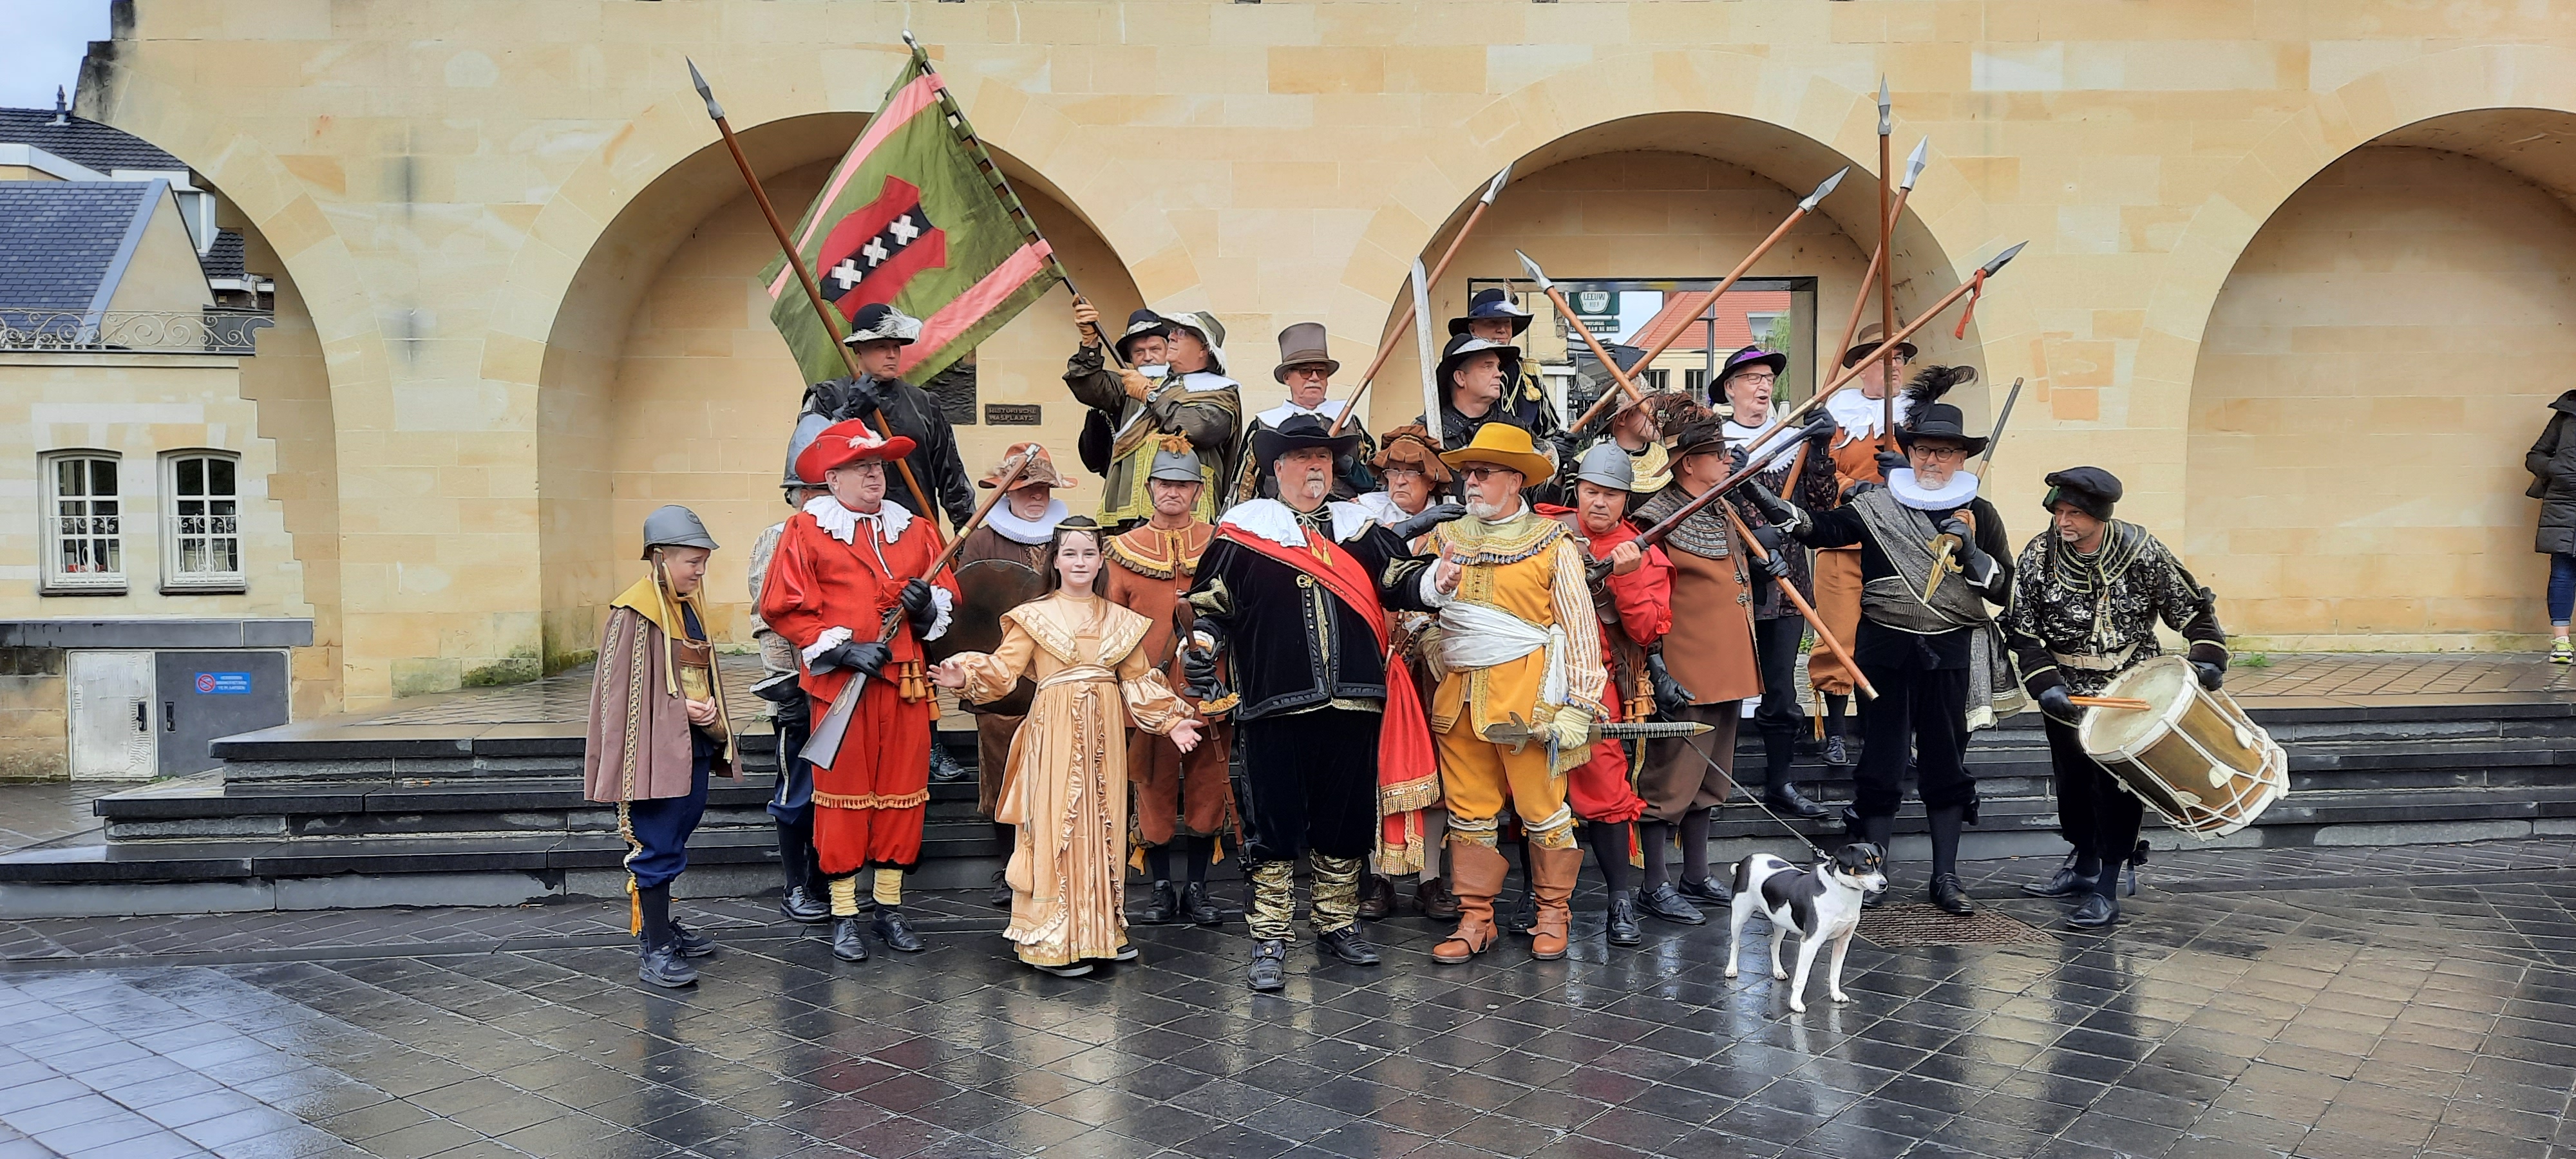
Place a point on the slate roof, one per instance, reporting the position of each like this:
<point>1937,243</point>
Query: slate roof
<point>59,238</point>
<point>83,142</point>
<point>224,260</point>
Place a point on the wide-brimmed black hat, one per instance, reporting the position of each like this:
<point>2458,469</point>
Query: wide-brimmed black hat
<point>1739,361</point>
<point>1463,347</point>
<point>1701,437</point>
<point>1141,324</point>
<point>1492,303</point>
<point>1927,417</point>
<point>1269,443</point>
<point>2091,489</point>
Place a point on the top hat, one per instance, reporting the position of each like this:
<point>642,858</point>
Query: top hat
<point>878,322</point>
<point>1269,443</point>
<point>1868,339</point>
<point>1501,444</point>
<point>844,443</point>
<point>1491,302</point>
<point>1303,344</point>
<point>1040,471</point>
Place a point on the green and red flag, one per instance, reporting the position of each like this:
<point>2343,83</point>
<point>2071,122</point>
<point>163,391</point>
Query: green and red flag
<point>912,217</point>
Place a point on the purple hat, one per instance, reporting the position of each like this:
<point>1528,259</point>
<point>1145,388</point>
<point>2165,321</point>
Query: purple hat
<point>1749,356</point>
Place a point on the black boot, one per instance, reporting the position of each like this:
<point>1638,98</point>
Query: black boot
<point>658,960</point>
<point>2068,881</point>
<point>796,869</point>
<point>891,926</point>
<point>1623,921</point>
<point>1160,905</point>
<point>1523,915</point>
<point>1196,909</point>
<point>847,943</point>
<point>1947,892</point>
<point>1008,840</point>
<point>1835,753</point>
<point>1779,794</point>
<point>1269,966</point>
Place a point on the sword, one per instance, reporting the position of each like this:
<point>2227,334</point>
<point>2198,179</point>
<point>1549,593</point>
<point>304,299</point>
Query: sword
<point>1518,733</point>
<point>1996,437</point>
<point>1427,353</point>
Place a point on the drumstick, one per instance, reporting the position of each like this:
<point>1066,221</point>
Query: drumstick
<point>2129,703</point>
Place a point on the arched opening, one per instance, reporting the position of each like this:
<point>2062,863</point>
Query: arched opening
<point>2375,365</point>
<point>664,381</point>
<point>1683,195</point>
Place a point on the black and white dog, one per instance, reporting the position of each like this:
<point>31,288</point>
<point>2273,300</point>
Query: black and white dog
<point>1822,904</point>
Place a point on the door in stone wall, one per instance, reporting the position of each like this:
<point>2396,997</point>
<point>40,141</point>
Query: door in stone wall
<point>209,695</point>
<point>112,721</point>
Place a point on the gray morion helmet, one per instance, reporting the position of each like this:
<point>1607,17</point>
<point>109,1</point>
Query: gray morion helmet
<point>1176,466</point>
<point>675,526</point>
<point>1607,465</point>
<point>808,425</point>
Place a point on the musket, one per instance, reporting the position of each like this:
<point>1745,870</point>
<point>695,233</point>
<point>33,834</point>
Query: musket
<point>1556,297</point>
<point>1887,268</point>
<point>1805,207</point>
<point>825,742</point>
<point>1914,163</point>
<point>813,293</point>
<point>1788,422</point>
<point>1424,353</point>
<point>1519,733</point>
<point>1386,345</point>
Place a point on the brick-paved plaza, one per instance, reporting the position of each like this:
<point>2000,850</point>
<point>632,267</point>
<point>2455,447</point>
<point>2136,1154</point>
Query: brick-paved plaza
<point>2410,1001</point>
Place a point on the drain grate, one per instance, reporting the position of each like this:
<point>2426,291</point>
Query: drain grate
<point>1920,924</point>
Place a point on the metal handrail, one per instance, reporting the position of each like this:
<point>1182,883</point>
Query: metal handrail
<point>211,330</point>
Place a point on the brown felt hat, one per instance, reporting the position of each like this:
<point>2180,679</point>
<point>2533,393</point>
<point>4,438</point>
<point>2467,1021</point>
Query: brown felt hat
<point>1868,339</point>
<point>1303,344</point>
<point>1040,471</point>
<point>1410,446</point>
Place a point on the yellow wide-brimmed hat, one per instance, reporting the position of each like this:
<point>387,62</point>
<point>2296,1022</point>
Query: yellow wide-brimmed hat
<point>1501,444</point>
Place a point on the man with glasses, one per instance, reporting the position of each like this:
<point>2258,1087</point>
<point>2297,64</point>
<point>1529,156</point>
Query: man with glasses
<point>1306,367</point>
<point>1803,471</point>
<point>1917,639</point>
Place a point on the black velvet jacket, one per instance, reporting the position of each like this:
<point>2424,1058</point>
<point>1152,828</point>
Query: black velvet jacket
<point>1293,645</point>
<point>1878,645</point>
<point>911,412</point>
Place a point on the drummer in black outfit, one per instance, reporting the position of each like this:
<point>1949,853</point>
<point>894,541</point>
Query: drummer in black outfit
<point>2087,595</point>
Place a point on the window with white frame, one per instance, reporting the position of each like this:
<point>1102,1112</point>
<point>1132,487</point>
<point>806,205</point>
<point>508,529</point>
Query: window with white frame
<point>201,547</point>
<point>84,517</point>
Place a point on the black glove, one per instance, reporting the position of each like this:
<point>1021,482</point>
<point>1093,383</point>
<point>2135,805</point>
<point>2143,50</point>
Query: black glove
<point>1670,696</point>
<point>1771,538</point>
<point>916,604</point>
<point>1763,569</point>
<point>864,398</point>
<point>1821,426</point>
<point>865,657</point>
<point>1970,558</point>
<point>1198,669</point>
<point>1774,508</point>
<point>2211,675</point>
<point>1432,516</point>
<point>1890,462</point>
<point>2060,707</point>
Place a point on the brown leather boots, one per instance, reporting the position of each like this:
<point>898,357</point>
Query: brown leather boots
<point>1478,872</point>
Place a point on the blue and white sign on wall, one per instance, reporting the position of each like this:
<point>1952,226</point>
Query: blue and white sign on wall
<point>223,683</point>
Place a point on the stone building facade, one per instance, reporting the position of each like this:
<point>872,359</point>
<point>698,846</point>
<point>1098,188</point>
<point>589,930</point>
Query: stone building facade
<point>2298,271</point>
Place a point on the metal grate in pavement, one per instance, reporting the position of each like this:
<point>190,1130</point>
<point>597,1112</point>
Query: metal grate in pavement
<point>1921,924</point>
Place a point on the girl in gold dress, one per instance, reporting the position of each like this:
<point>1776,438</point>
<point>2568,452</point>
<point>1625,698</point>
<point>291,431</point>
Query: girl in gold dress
<point>1065,788</point>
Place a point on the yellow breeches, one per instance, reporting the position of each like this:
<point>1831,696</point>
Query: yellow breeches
<point>1477,776</point>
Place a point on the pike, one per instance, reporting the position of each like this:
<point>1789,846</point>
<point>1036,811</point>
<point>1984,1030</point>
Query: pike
<point>1886,268</point>
<point>804,276</point>
<point>1804,208</point>
<point>1519,733</point>
<point>1789,421</point>
<point>1424,353</point>
<point>824,744</point>
<point>1386,346</point>
<point>1556,297</point>
<point>1904,189</point>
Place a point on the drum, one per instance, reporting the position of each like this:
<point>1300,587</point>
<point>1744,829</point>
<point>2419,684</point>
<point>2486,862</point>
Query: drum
<point>2195,757</point>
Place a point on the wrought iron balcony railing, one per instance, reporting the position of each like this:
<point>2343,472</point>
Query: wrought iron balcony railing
<point>207,331</point>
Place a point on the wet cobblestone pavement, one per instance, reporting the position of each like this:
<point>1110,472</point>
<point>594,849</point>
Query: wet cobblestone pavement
<point>2253,1004</point>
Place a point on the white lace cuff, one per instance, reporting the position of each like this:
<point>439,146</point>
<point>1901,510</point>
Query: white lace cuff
<point>941,603</point>
<point>832,637</point>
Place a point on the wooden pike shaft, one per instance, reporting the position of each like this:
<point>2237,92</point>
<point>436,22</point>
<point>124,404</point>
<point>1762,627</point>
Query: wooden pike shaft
<point>1868,284</point>
<point>822,313</point>
<point>1886,280</point>
<point>1556,297</point>
<point>1824,635</point>
<point>1706,300</point>
<point>1404,323</point>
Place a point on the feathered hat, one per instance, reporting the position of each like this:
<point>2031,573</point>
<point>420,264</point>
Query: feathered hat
<point>1928,417</point>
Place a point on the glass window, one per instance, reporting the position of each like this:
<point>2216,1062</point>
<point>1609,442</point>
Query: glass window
<point>204,544</point>
<point>85,546</point>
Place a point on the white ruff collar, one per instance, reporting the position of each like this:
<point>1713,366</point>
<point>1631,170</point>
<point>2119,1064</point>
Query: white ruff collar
<point>1200,382</point>
<point>1742,437</point>
<point>890,517</point>
<point>1381,508</point>
<point>1961,489</point>
<point>1024,531</point>
<point>1332,409</point>
<point>1277,522</point>
<point>1859,414</point>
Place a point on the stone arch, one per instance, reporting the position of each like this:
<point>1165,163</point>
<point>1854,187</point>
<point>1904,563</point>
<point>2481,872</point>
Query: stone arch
<point>661,379</point>
<point>2382,351</point>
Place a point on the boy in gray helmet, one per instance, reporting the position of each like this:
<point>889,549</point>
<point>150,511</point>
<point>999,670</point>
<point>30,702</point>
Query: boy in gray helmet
<point>658,729</point>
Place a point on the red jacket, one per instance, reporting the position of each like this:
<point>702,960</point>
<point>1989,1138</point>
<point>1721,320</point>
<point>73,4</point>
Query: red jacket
<point>817,583</point>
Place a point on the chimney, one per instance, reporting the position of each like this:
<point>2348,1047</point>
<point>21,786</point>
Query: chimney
<point>62,108</point>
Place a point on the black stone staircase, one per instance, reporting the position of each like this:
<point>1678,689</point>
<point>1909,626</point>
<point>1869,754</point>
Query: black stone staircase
<point>302,817</point>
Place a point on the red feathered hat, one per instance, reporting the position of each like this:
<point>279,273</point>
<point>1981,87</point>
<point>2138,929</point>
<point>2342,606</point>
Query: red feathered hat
<point>844,443</point>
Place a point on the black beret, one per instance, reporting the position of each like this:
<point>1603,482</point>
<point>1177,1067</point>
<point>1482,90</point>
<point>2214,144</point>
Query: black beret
<point>2091,489</point>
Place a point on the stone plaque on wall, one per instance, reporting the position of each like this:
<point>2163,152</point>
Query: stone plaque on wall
<point>1011,414</point>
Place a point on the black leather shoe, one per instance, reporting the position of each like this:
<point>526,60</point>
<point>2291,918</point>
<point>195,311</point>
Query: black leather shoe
<point>800,905</point>
<point>945,768</point>
<point>1951,896</point>
<point>2096,911</point>
<point>1160,905</point>
<point>1783,798</point>
<point>1663,901</point>
<point>1707,889</point>
<point>847,944</point>
<point>1269,966</point>
<point>1835,753</point>
<point>1001,895</point>
<point>2064,883</point>
<point>1196,909</point>
<point>1623,921</point>
<point>662,966</point>
<point>1524,915</point>
<point>891,926</point>
<point>1347,945</point>
<point>691,943</point>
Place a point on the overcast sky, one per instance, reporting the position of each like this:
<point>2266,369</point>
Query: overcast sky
<point>41,47</point>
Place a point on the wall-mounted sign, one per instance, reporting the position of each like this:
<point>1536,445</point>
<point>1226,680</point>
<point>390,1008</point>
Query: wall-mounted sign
<point>1595,303</point>
<point>1011,414</point>
<point>223,684</point>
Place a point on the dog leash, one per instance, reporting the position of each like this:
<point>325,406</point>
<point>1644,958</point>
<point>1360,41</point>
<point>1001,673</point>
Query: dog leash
<point>1754,800</point>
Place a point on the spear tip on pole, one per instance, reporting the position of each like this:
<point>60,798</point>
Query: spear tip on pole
<point>1494,188</point>
<point>1823,191</point>
<point>1536,274</point>
<point>1884,104</point>
<point>715,112</point>
<point>1915,161</point>
<point>2006,256</point>
<point>909,42</point>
